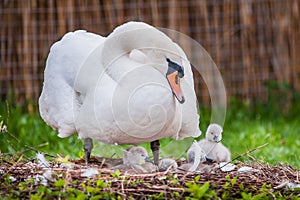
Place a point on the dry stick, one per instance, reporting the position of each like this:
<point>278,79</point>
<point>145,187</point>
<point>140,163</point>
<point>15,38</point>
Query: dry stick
<point>11,135</point>
<point>102,163</point>
<point>7,120</point>
<point>248,152</point>
<point>36,150</point>
<point>13,166</point>
<point>8,112</point>
<point>11,144</point>
<point>27,146</point>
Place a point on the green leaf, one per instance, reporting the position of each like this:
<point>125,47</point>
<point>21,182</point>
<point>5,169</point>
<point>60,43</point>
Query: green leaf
<point>196,190</point>
<point>242,187</point>
<point>233,181</point>
<point>60,183</point>
<point>197,178</point>
<point>259,196</point>
<point>100,184</point>
<point>35,197</point>
<point>116,174</point>
<point>246,196</point>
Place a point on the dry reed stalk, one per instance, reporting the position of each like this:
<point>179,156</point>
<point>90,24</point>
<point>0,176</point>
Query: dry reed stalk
<point>172,16</point>
<point>97,16</point>
<point>245,45</point>
<point>236,51</point>
<point>294,41</point>
<point>108,14</point>
<point>25,49</point>
<point>34,52</point>
<point>163,11</point>
<point>183,26</point>
<point>252,46</point>
<point>146,12</point>
<point>216,33</point>
<point>260,52</point>
<point>51,23</point>
<point>61,17</point>
<point>4,72</point>
<point>70,15</point>
<point>14,51</point>
<point>119,6</point>
<point>228,23</point>
<point>154,13</point>
<point>280,52</point>
<point>204,29</point>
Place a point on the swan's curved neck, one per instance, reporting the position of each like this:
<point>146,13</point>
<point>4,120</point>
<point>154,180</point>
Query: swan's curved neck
<point>124,42</point>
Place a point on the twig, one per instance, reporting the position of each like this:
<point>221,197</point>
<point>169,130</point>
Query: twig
<point>248,152</point>
<point>8,112</point>
<point>36,150</point>
<point>102,163</point>
<point>10,168</point>
<point>11,144</point>
<point>10,134</point>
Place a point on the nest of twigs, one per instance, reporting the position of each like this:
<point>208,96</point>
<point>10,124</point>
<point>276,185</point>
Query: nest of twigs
<point>272,181</point>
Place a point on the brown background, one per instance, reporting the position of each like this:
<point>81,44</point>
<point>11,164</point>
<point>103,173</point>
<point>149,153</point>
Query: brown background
<point>252,42</point>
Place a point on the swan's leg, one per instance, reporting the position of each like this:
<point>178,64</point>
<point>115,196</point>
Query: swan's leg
<point>155,151</point>
<point>88,146</point>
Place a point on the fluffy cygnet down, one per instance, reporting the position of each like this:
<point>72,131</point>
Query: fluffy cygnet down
<point>136,159</point>
<point>167,164</point>
<point>211,144</point>
<point>195,156</point>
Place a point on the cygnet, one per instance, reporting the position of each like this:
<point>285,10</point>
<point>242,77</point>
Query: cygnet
<point>195,156</point>
<point>211,144</point>
<point>136,159</point>
<point>167,164</point>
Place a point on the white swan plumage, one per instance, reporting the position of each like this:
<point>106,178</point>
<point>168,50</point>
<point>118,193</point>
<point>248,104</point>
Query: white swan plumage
<point>114,89</point>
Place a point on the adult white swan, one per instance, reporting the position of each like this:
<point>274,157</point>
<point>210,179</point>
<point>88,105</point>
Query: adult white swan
<point>136,85</point>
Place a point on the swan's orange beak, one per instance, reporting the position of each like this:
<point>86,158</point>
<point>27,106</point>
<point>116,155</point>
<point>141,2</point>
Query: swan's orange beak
<point>174,81</point>
<point>174,74</point>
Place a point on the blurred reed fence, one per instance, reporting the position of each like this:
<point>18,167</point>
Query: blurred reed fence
<point>251,41</point>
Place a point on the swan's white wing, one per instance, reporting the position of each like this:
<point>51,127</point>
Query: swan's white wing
<point>59,101</point>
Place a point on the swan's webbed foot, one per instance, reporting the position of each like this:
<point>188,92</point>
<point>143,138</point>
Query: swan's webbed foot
<point>155,151</point>
<point>88,146</point>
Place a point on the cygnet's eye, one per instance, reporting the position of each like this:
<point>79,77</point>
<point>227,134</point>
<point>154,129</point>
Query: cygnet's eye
<point>143,155</point>
<point>211,133</point>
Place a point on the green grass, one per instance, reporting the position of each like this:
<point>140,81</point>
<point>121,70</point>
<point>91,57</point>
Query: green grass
<point>246,127</point>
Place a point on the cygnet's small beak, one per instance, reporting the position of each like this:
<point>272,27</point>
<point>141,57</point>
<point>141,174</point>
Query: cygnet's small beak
<point>147,159</point>
<point>216,139</point>
<point>208,159</point>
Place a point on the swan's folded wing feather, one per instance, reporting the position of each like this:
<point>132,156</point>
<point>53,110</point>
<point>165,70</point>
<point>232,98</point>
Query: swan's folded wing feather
<point>59,101</point>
